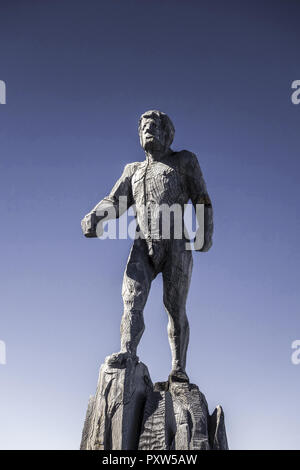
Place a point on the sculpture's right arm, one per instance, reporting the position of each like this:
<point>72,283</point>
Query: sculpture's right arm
<point>112,206</point>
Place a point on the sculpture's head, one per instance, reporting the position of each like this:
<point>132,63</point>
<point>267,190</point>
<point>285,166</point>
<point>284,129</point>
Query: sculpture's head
<point>156,131</point>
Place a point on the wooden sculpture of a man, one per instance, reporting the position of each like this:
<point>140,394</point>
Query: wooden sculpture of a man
<point>164,179</point>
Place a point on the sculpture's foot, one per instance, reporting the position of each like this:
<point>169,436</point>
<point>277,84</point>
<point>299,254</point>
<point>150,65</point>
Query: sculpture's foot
<point>120,359</point>
<point>178,376</point>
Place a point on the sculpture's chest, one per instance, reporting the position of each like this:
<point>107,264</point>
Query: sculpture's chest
<point>157,182</point>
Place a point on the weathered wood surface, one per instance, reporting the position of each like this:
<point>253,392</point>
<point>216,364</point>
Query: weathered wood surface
<point>128,412</point>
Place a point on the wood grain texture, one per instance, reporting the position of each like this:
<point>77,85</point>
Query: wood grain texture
<point>128,413</point>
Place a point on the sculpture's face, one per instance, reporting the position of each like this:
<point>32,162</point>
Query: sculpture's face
<point>152,133</point>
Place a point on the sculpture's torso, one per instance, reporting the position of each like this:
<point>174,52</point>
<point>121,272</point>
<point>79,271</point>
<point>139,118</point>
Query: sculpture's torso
<point>157,185</point>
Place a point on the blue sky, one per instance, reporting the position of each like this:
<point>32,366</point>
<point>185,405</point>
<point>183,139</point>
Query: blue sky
<point>78,76</point>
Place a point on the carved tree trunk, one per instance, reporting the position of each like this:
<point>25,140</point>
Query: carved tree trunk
<point>128,413</point>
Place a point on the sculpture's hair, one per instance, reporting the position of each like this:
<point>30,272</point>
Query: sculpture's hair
<point>167,124</point>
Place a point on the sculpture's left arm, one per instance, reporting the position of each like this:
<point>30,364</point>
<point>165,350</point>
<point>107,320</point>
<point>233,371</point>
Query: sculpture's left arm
<point>199,195</point>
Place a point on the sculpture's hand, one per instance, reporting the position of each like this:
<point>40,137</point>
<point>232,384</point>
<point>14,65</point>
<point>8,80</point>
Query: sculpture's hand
<point>89,225</point>
<point>199,245</point>
<point>207,245</point>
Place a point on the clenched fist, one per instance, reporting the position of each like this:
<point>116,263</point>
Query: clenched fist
<point>89,225</point>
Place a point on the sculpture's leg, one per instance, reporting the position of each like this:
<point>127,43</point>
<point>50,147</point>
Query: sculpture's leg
<point>176,281</point>
<point>138,276</point>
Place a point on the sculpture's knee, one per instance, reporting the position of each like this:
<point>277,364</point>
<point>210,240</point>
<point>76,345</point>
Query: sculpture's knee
<point>134,295</point>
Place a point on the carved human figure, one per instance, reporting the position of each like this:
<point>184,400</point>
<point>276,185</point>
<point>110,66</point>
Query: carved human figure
<point>163,178</point>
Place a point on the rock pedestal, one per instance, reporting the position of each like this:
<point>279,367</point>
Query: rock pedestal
<point>128,413</point>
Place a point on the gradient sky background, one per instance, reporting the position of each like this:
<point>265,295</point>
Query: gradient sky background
<point>78,75</point>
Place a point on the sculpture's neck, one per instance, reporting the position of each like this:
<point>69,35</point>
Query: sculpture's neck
<point>157,156</point>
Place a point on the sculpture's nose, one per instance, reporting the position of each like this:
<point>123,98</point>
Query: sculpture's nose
<point>151,127</point>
